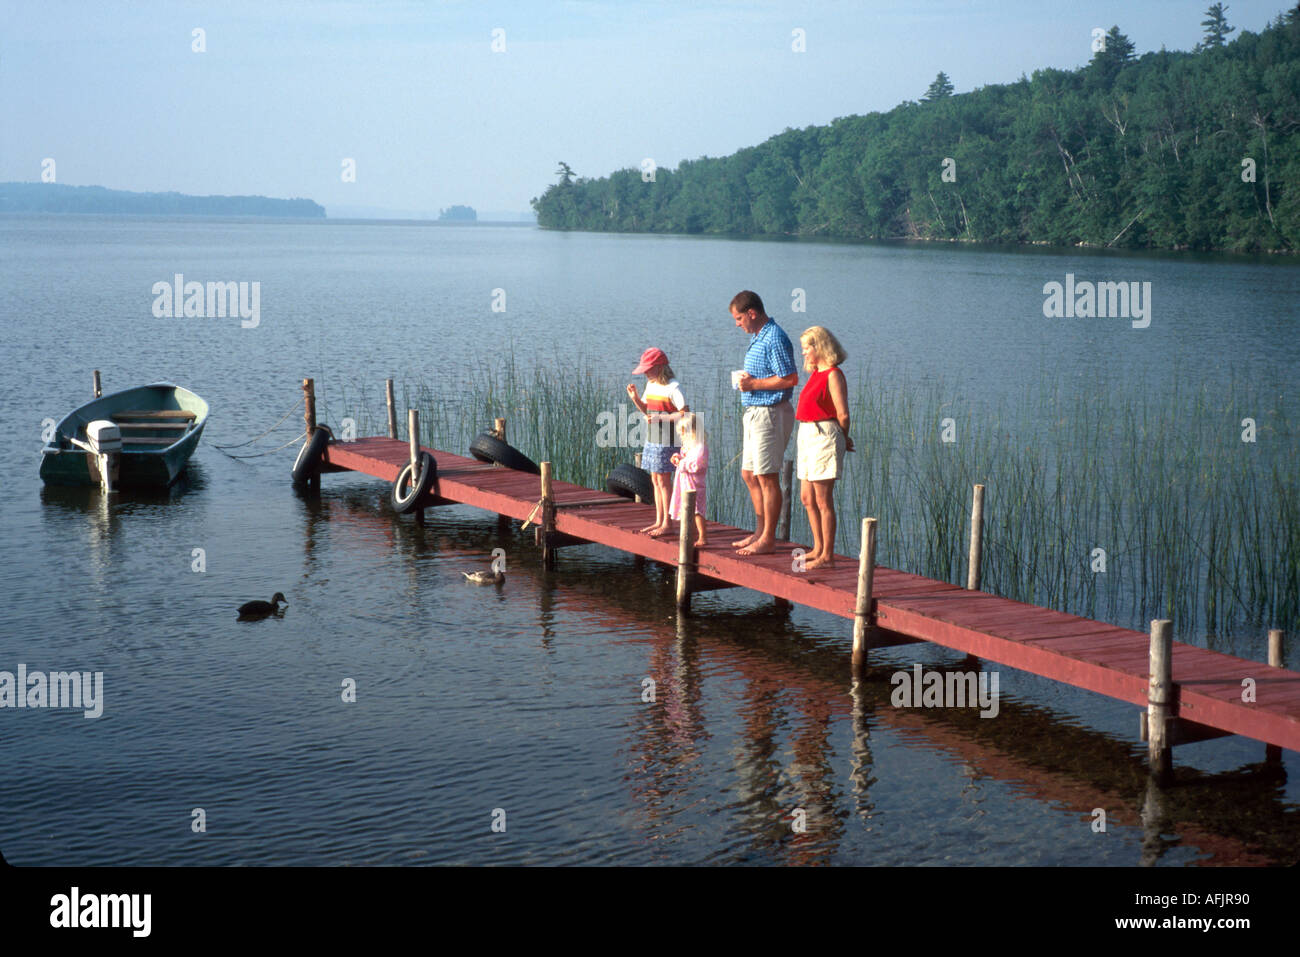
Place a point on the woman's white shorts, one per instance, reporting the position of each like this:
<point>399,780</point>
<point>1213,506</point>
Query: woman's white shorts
<point>821,451</point>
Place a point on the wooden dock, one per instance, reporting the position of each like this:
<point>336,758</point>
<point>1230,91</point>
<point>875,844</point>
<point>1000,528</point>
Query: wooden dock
<point>1209,695</point>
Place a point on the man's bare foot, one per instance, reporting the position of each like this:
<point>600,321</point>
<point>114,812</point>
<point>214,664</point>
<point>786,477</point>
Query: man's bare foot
<point>745,541</point>
<point>759,547</point>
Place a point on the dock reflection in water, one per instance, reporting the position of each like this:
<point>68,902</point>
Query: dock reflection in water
<point>758,734</point>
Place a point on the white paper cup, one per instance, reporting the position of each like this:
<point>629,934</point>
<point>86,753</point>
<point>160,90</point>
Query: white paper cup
<point>735,378</point>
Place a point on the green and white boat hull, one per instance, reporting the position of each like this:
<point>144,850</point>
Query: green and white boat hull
<point>155,456</point>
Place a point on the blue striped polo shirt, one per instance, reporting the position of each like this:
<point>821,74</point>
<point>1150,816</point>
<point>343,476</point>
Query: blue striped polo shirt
<point>769,354</point>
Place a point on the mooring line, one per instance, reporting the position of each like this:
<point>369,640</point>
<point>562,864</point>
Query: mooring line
<point>253,455</point>
<point>267,432</point>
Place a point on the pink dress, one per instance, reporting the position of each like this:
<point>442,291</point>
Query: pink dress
<point>692,469</point>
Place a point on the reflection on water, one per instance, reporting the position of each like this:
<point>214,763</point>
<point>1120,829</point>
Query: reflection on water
<point>530,697</point>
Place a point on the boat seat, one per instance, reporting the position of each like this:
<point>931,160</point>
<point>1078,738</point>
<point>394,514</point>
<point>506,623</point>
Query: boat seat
<point>160,440</point>
<point>152,425</point>
<point>154,414</point>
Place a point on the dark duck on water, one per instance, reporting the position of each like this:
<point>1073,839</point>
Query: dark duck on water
<point>250,611</point>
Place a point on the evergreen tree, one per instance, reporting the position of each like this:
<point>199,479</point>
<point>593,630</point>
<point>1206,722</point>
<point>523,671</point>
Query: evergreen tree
<point>940,88</point>
<point>565,172</point>
<point>1216,26</point>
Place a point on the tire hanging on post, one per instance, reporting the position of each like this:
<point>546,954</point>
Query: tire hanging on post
<point>406,500</point>
<point>307,465</point>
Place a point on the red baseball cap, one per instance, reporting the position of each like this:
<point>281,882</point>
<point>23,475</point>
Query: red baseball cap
<point>650,359</point>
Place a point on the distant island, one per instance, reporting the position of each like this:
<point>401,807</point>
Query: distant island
<point>1168,150</point>
<point>58,198</point>
<point>458,214</point>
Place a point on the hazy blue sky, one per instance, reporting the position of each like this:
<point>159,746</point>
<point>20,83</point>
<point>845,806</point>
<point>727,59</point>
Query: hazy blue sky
<point>413,92</point>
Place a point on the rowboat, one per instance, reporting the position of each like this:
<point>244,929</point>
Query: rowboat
<point>141,437</point>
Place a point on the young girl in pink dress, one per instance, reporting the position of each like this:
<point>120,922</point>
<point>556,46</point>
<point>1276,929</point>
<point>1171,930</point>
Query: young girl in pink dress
<point>692,469</point>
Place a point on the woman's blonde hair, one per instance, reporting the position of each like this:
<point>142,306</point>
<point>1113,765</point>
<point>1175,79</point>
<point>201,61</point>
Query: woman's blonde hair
<point>825,347</point>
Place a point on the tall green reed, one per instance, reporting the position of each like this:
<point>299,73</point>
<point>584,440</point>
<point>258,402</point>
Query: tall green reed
<point>1191,522</point>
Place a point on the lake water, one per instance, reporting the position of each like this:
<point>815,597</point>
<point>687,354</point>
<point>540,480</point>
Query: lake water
<point>525,704</point>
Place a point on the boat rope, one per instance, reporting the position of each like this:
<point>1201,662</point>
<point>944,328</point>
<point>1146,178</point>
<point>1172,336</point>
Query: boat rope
<point>531,516</point>
<point>253,455</point>
<point>267,432</point>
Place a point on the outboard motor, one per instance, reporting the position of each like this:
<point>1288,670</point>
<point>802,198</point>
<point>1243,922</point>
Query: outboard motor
<point>105,441</point>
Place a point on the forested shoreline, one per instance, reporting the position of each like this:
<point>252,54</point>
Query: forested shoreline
<point>1169,150</point>
<point>60,198</point>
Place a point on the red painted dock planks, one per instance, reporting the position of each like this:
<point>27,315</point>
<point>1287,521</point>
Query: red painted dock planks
<point>1079,651</point>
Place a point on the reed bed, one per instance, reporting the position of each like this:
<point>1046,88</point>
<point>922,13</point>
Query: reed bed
<point>1195,524</point>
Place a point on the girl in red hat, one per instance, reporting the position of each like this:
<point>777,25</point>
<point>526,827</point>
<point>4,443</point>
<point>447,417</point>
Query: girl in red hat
<point>662,404</point>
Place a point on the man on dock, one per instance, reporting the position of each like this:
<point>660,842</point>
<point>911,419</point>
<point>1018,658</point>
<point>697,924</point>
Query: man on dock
<point>765,388</point>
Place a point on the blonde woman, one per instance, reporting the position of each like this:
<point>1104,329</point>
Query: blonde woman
<point>823,417</point>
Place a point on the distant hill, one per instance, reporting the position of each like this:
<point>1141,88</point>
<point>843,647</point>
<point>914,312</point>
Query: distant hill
<point>58,198</point>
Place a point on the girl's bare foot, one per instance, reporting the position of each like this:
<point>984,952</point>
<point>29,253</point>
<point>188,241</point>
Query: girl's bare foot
<point>700,542</point>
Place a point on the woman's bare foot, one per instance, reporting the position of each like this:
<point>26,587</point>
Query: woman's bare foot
<point>748,539</point>
<point>759,547</point>
<point>649,528</point>
<point>660,532</point>
<point>818,561</point>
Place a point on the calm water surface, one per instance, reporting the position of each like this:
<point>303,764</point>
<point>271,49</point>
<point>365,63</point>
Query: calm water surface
<point>529,699</point>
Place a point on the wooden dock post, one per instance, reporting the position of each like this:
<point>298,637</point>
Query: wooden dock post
<point>309,420</point>
<point>546,528</point>
<point>976,539</point>
<point>98,390</point>
<point>392,408</point>
<point>783,522</point>
<point>1160,689</point>
<point>686,551</point>
<point>637,460</point>
<point>309,409</point>
<point>413,435</point>
<point>1273,753</point>
<point>499,429</point>
<point>787,496</point>
<point>862,608</point>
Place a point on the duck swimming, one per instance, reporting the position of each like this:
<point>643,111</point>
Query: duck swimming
<point>485,578</point>
<point>261,609</point>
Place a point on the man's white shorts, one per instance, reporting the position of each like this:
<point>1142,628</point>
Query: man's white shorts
<point>767,433</point>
